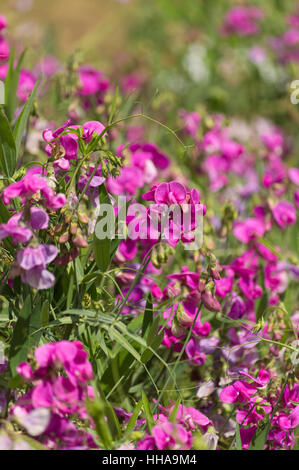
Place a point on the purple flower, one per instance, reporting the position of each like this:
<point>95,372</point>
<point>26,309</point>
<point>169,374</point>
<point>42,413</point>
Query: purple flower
<point>19,233</point>
<point>33,261</point>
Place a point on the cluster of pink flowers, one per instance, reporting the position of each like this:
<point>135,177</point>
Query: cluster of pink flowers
<point>63,144</point>
<point>37,198</point>
<point>243,20</point>
<point>4,47</point>
<point>168,435</point>
<point>255,402</point>
<point>143,164</point>
<point>60,388</point>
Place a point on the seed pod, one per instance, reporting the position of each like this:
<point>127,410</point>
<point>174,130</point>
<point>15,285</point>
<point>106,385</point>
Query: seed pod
<point>176,329</point>
<point>210,301</point>
<point>74,228</point>
<point>64,238</point>
<point>80,242</point>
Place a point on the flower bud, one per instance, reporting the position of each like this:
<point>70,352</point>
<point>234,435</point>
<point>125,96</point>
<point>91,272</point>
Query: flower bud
<point>210,301</point>
<point>183,317</point>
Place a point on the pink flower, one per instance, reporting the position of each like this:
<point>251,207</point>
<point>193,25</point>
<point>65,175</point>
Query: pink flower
<point>240,390</point>
<point>129,180</point>
<point>26,84</point>
<point>191,122</point>
<point>92,81</point>
<point>291,421</point>
<point>3,22</point>
<point>171,436</point>
<point>13,228</point>
<point>29,186</point>
<point>192,418</point>
<point>294,175</point>
<point>92,129</point>
<point>194,353</point>
<point>167,193</point>
<point>4,49</point>
<point>284,213</point>
<point>249,229</point>
<point>243,20</point>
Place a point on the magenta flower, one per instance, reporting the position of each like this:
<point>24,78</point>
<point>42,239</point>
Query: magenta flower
<point>3,22</point>
<point>194,353</point>
<point>284,214</point>
<point>4,49</point>
<point>192,418</point>
<point>243,21</point>
<point>294,175</point>
<point>129,180</point>
<point>26,84</point>
<point>249,229</point>
<point>191,122</point>
<point>92,129</point>
<point>92,81</point>
<point>28,186</point>
<point>239,391</point>
<point>171,436</point>
<point>291,421</point>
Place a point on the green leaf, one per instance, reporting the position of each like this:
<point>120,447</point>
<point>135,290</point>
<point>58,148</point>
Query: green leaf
<point>116,336</point>
<point>148,413</point>
<point>132,422</point>
<point>27,333</point>
<point>238,437</point>
<point>113,106</point>
<point>8,154</point>
<point>5,215</point>
<point>148,315</point>
<point>259,439</point>
<point>102,248</point>
<point>11,84</point>
<point>153,347</point>
<point>45,312</point>
<point>23,118</point>
<point>173,416</point>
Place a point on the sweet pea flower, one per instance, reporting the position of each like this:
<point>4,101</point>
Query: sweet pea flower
<point>3,22</point>
<point>293,174</point>
<point>31,184</point>
<point>13,228</point>
<point>171,436</point>
<point>284,214</point>
<point>291,421</point>
<point>239,391</point>
<point>26,84</point>
<point>33,261</point>
<point>170,193</point>
<point>249,229</point>
<point>92,81</point>
<point>129,180</point>
<point>92,129</point>
<point>4,49</point>
<point>243,20</point>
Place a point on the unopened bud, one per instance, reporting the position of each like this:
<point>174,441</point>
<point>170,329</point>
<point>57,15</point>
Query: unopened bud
<point>210,301</point>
